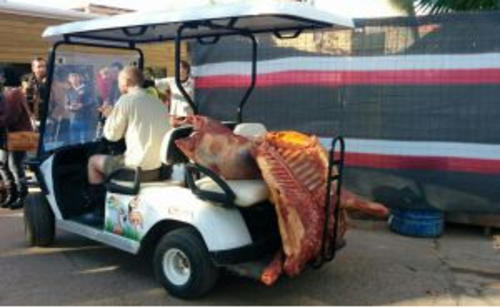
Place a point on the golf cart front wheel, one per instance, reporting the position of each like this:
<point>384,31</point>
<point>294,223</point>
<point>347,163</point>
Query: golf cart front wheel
<point>39,224</point>
<point>183,266</point>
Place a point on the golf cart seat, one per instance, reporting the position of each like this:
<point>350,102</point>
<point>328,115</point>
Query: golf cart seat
<point>250,130</point>
<point>128,181</point>
<point>243,193</point>
<point>169,152</point>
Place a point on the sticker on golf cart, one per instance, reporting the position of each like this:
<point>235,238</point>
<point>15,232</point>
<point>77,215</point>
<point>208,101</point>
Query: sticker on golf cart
<point>124,216</point>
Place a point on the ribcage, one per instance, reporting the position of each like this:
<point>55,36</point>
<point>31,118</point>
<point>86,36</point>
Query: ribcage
<point>294,167</point>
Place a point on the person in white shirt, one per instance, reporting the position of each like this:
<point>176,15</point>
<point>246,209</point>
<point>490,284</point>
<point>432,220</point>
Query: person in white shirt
<point>179,107</point>
<point>141,119</point>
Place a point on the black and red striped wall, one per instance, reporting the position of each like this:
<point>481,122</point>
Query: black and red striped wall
<point>421,124</point>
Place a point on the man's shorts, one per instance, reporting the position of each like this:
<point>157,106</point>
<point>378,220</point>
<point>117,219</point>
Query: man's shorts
<point>113,163</point>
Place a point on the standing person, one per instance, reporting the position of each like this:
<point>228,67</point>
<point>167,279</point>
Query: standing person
<point>14,117</point>
<point>114,92</point>
<point>108,92</point>
<point>7,183</point>
<point>35,86</point>
<point>57,129</point>
<point>140,119</point>
<point>179,107</point>
<point>149,83</point>
<point>79,104</point>
<point>107,84</point>
<point>103,85</point>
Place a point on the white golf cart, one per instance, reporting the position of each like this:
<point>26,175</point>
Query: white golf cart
<point>194,231</point>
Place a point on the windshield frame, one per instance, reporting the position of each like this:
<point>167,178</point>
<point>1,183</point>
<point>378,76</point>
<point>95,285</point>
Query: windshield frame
<point>51,64</point>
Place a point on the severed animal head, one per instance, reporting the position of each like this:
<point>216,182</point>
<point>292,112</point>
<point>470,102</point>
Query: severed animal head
<point>216,147</point>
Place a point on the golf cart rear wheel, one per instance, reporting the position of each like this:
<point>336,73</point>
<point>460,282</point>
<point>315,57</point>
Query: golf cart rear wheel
<point>39,225</point>
<point>183,266</point>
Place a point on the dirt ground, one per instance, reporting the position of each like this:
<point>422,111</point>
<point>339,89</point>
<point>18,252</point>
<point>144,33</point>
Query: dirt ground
<point>377,267</point>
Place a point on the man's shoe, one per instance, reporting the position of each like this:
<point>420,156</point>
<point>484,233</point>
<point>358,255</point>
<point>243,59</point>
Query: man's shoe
<point>17,204</point>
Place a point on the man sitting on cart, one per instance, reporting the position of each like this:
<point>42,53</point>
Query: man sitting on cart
<point>140,119</point>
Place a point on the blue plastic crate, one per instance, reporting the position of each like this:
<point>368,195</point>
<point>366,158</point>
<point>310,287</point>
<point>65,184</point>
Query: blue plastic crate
<point>418,223</point>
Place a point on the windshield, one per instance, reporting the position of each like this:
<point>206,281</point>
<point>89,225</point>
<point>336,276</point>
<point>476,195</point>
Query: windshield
<point>81,84</point>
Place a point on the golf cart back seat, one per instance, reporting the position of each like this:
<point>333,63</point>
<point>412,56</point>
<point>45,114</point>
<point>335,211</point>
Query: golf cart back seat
<point>250,130</point>
<point>170,154</point>
<point>243,193</point>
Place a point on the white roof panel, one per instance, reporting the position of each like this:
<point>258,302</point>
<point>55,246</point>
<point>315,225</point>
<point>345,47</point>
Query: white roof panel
<point>43,12</point>
<point>255,16</point>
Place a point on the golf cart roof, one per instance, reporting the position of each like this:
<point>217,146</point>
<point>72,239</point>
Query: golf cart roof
<point>200,22</point>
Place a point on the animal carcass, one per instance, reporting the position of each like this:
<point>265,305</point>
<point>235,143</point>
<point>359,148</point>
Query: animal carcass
<point>295,167</point>
<point>214,146</point>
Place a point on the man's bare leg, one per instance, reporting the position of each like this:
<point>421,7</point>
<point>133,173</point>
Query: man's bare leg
<point>96,169</point>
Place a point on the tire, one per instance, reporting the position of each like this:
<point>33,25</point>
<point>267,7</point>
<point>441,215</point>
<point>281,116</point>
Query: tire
<point>198,274</point>
<point>39,224</point>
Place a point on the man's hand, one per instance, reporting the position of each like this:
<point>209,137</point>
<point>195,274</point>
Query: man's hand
<point>74,106</point>
<point>177,121</point>
<point>105,109</point>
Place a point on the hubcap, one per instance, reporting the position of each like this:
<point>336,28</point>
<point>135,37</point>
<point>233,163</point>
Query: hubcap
<point>176,266</point>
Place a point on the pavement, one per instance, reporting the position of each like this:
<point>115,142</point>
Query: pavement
<point>377,267</point>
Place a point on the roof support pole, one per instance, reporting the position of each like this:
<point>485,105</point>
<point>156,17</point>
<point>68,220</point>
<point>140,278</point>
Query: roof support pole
<point>178,81</point>
<point>253,80</point>
<point>46,96</point>
<point>253,77</point>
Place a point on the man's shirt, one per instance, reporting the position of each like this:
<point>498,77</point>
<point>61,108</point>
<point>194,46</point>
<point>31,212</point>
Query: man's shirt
<point>179,107</point>
<point>143,120</point>
<point>35,93</point>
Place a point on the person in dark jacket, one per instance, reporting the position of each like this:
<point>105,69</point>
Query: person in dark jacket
<point>13,118</point>
<point>35,86</point>
<point>80,106</point>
